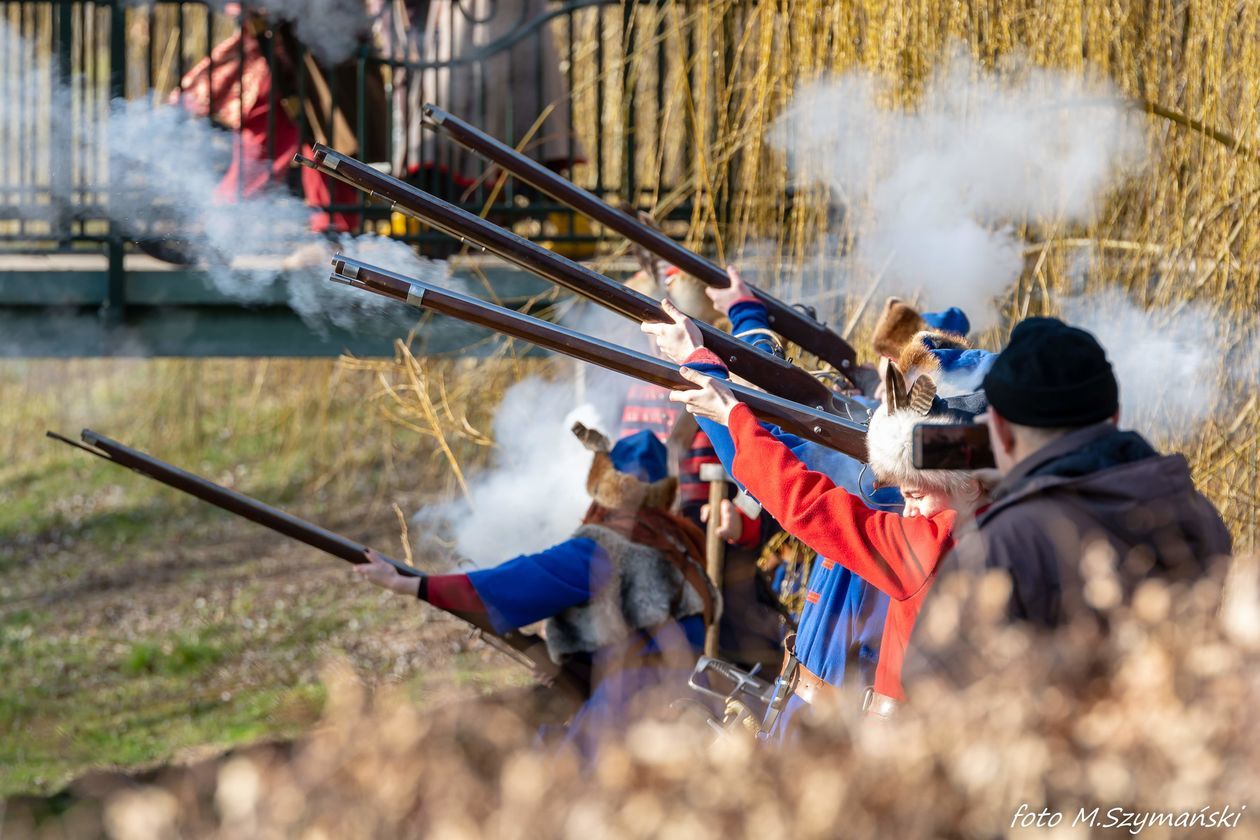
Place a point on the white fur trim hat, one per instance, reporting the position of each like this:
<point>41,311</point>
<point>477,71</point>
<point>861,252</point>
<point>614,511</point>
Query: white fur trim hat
<point>890,435</point>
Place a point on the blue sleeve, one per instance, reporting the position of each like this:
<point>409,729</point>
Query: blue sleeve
<point>748,315</point>
<point>843,470</point>
<point>532,587</point>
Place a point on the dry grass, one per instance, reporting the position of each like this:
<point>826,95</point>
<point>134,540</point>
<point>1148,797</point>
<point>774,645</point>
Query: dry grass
<point>137,623</point>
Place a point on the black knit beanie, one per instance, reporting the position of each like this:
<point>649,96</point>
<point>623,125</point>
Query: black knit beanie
<point>1052,375</point>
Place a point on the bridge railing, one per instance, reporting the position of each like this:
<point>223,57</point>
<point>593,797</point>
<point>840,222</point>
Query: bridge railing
<point>591,87</point>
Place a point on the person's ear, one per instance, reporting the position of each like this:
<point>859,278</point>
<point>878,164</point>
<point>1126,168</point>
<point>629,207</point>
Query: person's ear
<point>1002,431</point>
<point>974,490</point>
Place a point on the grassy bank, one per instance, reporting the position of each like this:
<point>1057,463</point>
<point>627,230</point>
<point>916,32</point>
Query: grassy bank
<point>137,624</point>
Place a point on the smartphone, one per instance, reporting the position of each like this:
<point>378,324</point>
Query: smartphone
<point>956,446</point>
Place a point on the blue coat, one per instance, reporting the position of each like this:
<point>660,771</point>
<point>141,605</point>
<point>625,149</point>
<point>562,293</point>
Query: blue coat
<point>533,587</point>
<point>843,618</point>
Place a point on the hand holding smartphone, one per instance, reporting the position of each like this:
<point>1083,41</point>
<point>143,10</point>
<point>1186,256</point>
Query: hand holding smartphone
<point>954,446</point>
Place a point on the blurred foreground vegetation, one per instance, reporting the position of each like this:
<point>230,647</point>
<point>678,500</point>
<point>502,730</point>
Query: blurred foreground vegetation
<point>1153,720</point>
<point>136,623</point>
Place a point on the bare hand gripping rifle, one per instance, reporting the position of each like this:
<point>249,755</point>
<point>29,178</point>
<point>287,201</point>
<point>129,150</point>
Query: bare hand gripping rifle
<point>526,648</point>
<point>762,369</point>
<point>793,323</point>
<point>847,436</point>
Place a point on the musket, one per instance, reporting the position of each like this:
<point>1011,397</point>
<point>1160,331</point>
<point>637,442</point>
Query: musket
<point>793,323</point>
<point>528,649</point>
<point>757,366</point>
<point>848,436</point>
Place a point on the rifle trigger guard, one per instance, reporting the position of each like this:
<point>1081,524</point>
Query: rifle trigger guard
<point>808,310</point>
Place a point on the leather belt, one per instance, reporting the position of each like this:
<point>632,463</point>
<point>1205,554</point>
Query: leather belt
<point>795,678</point>
<point>805,683</point>
<point>879,705</point>
<point>812,688</point>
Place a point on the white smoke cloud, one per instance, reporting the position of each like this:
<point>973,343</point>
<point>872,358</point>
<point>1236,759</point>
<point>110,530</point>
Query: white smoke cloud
<point>1168,361</point>
<point>164,152</point>
<point>315,299</point>
<point>932,194</point>
<point>331,29</point>
<point>533,493</point>
<point>159,170</point>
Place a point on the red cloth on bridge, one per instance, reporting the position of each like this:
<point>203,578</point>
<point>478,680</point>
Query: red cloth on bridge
<point>237,95</point>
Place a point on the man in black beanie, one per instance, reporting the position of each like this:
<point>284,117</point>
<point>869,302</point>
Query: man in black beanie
<point>1081,501</point>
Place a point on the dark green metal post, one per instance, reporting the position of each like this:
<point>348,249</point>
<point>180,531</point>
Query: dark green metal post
<point>62,133</point>
<point>113,309</point>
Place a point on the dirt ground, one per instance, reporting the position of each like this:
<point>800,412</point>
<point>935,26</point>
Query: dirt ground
<point>138,625</point>
<point>213,636</point>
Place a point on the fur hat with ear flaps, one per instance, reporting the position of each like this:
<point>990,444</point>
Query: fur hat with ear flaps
<point>897,324</point>
<point>954,365</point>
<point>890,435</point>
<point>631,475</point>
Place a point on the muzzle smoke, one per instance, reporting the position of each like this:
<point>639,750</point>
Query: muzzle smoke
<point>156,170</point>
<point>931,196</point>
<point>330,29</point>
<point>533,494</point>
<point>1167,360</point>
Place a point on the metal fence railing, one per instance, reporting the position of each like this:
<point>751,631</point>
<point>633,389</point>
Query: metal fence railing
<point>584,86</point>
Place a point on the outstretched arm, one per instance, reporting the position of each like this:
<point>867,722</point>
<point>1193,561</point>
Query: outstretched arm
<point>452,593</point>
<point>681,342</point>
<point>893,553</point>
<point>522,590</point>
<point>750,320</point>
<point>845,471</point>
<point>896,554</point>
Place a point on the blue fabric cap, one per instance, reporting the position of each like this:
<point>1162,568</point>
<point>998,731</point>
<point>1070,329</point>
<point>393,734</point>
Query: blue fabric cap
<point>952,320</point>
<point>965,361</point>
<point>641,455</point>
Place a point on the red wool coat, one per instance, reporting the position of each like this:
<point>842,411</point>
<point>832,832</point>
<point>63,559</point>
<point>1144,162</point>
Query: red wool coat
<point>897,554</point>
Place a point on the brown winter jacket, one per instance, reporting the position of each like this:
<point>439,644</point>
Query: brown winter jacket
<point>1096,488</point>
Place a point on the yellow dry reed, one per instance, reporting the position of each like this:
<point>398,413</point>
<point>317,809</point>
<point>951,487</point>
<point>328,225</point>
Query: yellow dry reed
<point>1185,231</point>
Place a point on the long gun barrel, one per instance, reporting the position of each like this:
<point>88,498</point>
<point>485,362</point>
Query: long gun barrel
<point>761,368</point>
<point>525,648</point>
<point>848,436</point>
<point>791,322</point>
